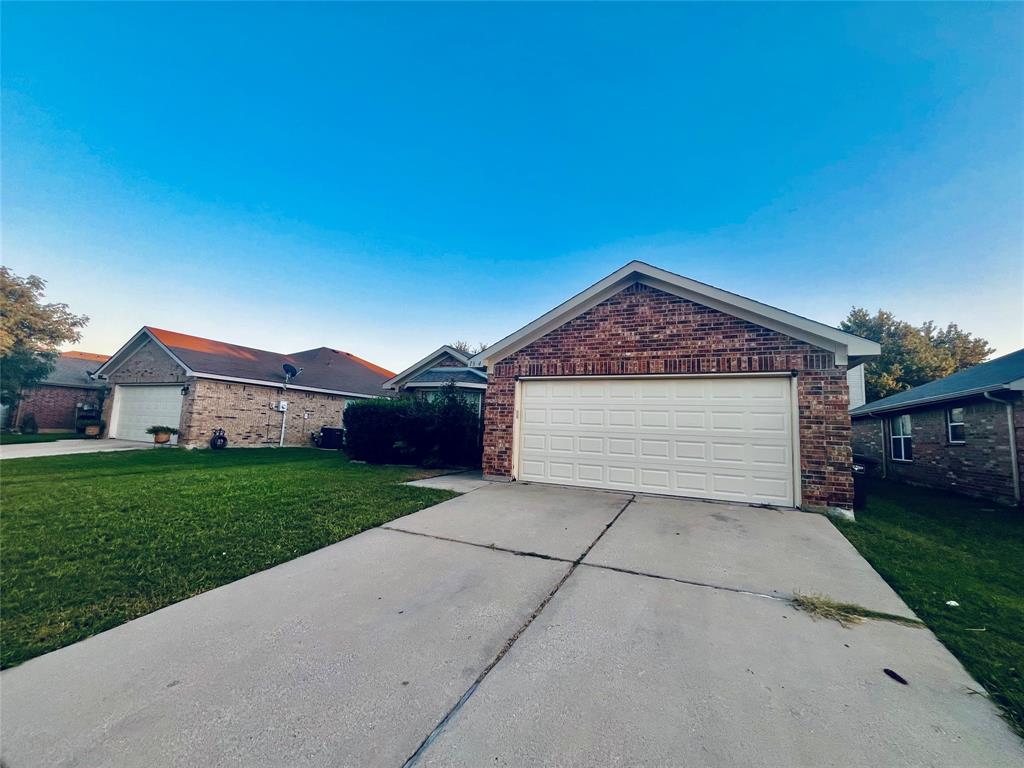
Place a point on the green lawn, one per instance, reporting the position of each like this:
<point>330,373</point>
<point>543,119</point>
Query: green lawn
<point>6,438</point>
<point>88,542</point>
<point>933,547</point>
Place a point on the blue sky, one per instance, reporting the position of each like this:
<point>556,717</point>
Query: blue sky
<point>387,178</point>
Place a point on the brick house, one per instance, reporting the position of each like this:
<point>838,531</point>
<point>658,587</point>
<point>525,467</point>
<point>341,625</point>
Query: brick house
<point>963,433</point>
<point>66,393</point>
<point>649,381</point>
<point>198,385</point>
<point>445,365</point>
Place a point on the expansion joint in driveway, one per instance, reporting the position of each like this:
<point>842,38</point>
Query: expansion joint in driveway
<point>688,582</point>
<point>414,758</point>
<point>492,547</point>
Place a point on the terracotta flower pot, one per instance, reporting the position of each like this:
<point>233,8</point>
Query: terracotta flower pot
<point>162,437</point>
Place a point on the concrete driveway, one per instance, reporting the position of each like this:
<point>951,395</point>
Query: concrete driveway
<point>67,447</point>
<point>520,625</point>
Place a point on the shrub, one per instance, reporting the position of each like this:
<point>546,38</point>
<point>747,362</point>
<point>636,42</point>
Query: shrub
<point>158,429</point>
<point>442,431</point>
<point>29,425</point>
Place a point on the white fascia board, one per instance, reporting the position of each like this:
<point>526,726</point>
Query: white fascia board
<point>118,359</point>
<point>280,385</point>
<point>424,364</point>
<point>843,345</point>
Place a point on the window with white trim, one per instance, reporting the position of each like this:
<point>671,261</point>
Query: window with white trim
<point>901,441</point>
<point>955,426</point>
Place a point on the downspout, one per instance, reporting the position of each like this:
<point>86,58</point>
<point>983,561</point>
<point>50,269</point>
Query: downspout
<point>1014,469</point>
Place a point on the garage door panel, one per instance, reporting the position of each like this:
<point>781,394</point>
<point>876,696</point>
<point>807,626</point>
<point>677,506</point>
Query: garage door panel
<point>690,420</point>
<point>724,439</point>
<point>687,450</point>
<point>622,475</point>
<point>656,419</point>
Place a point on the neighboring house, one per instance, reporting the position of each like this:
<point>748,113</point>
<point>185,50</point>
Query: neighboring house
<point>649,381</point>
<point>65,394</point>
<point>963,433</point>
<point>445,365</point>
<point>198,385</point>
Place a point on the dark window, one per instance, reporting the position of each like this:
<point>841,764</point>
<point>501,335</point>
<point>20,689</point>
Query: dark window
<point>955,425</point>
<point>902,442</point>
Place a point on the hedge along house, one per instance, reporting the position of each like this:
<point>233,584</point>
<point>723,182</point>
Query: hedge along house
<point>198,385</point>
<point>445,365</point>
<point>963,433</point>
<point>651,382</point>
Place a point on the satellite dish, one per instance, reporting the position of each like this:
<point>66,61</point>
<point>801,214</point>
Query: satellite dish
<point>290,371</point>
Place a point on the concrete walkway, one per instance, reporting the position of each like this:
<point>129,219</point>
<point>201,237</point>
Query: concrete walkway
<point>460,482</point>
<point>68,447</point>
<point>520,625</point>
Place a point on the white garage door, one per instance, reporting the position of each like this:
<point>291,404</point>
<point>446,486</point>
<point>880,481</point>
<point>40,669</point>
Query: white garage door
<point>717,438</point>
<point>137,408</point>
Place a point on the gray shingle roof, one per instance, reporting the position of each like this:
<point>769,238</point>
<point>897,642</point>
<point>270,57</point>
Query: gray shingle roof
<point>70,371</point>
<point>444,374</point>
<point>986,377</point>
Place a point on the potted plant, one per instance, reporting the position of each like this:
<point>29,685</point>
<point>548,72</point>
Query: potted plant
<point>161,434</point>
<point>92,428</point>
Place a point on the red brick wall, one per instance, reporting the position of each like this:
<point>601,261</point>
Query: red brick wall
<point>642,330</point>
<point>54,407</point>
<point>981,467</point>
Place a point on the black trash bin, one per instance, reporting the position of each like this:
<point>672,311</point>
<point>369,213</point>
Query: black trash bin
<point>332,438</point>
<point>860,486</point>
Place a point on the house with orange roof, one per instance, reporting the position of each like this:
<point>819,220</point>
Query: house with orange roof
<point>259,398</point>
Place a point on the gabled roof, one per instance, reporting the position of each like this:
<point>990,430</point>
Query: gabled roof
<point>323,369</point>
<point>72,369</point>
<point>848,349</point>
<point>426,363</point>
<point>1006,372</point>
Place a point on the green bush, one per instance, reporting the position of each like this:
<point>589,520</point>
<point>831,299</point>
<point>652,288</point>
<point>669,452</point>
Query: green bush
<point>441,432</point>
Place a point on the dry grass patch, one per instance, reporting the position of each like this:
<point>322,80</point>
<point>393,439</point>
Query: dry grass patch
<point>847,614</point>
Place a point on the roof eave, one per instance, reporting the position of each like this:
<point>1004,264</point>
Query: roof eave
<point>867,410</point>
<point>280,385</point>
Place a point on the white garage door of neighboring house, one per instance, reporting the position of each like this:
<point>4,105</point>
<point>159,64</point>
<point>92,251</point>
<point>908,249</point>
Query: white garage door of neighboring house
<point>139,407</point>
<point>717,438</point>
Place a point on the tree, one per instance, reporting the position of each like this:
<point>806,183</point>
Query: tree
<point>912,355</point>
<point>466,349</point>
<point>31,332</point>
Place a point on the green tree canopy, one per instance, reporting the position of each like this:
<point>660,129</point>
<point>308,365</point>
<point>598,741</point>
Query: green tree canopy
<point>912,355</point>
<point>31,333</point>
